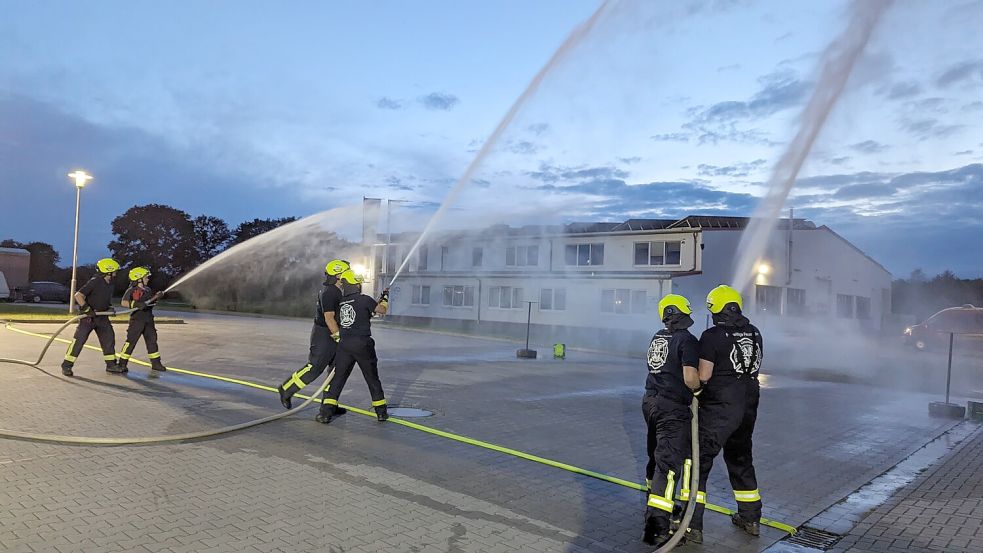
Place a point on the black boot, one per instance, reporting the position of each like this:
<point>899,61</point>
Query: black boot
<point>157,365</point>
<point>751,527</point>
<point>694,536</point>
<point>656,531</point>
<point>122,365</point>
<point>381,413</point>
<point>66,368</point>
<point>284,398</point>
<point>112,367</point>
<point>325,414</point>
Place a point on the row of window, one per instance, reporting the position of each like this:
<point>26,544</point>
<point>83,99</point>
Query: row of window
<point>620,300</point>
<point>659,253</point>
<point>768,299</point>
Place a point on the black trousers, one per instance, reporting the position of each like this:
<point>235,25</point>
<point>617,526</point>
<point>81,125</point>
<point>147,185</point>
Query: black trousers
<point>141,327</point>
<point>727,417</point>
<point>322,354</point>
<point>351,350</point>
<point>668,422</point>
<point>107,339</point>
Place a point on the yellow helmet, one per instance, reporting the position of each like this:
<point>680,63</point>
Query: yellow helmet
<point>719,297</point>
<point>349,277</point>
<point>137,273</point>
<point>675,301</point>
<point>107,265</point>
<point>336,266</point>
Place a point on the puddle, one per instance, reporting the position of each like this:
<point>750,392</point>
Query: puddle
<point>409,412</point>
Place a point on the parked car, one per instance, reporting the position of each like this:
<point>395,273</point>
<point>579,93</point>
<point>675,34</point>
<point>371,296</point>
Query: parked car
<point>933,333</point>
<point>45,291</point>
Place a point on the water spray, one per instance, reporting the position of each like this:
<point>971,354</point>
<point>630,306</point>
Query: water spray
<point>576,36</point>
<point>839,59</point>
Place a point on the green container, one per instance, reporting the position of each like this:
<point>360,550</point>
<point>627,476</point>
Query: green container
<point>559,351</point>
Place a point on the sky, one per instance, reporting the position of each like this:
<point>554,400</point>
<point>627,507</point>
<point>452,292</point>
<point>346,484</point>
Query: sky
<point>263,109</point>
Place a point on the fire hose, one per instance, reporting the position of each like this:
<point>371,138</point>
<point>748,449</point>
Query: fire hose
<point>422,428</point>
<point>83,440</point>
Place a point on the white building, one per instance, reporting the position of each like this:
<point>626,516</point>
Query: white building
<point>602,281</point>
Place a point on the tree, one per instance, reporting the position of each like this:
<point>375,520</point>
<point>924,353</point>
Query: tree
<point>159,237</point>
<point>250,229</point>
<point>212,236</point>
<point>44,259</point>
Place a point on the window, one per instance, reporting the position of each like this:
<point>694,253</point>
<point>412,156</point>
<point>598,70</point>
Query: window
<point>459,296</point>
<point>768,299</point>
<point>844,306</point>
<point>553,299</point>
<point>391,259</point>
<point>863,308</point>
<point>505,297</point>
<point>521,256</point>
<point>421,258</point>
<point>476,255</point>
<point>443,258</point>
<point>619,300</point>
<point>584,254</point>
<point>639,299</point>
<point>421,295</point>
<point>795,301</point>
<point>658,253</point>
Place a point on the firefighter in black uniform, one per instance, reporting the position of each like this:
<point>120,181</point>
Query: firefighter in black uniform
<point>356,345</point>
<point>673,357</point>
<point>324,334</point>
<point>141,297</point>
<point>730,357</point>
<point>95,295</point>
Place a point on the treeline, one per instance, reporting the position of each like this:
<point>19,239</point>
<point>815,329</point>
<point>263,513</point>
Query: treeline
<point>922,296</point>
<point>161,237</point>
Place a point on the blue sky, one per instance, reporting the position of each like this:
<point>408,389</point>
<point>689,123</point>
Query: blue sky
<point>262,109</point>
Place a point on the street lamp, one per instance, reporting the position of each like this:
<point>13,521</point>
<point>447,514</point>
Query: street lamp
<point>80,177</point>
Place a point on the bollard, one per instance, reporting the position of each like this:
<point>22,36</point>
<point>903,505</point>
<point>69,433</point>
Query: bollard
<point>946,409</point>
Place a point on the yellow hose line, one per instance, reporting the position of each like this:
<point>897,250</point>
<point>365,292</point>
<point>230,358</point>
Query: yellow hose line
<point>450,436</point>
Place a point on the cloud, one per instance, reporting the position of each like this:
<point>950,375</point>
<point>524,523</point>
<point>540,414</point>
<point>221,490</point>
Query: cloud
<point>439,101</point>
<point>973,106</point>
<point>395,183</point>
<point>538,129</point>
<point>964,71</point>
<point>389,103</point>
<point>131,167</point>
<point>552,174</point>
<point>964,153</point>
<point>671,137</point>
<point>781,90</point>
<point>869,190</point>
<point>902,90</point>
<point>736,170</point>
<point>869,147</point>
<point>925,129</point>
<point>629,160</point>
<point>522,147</point>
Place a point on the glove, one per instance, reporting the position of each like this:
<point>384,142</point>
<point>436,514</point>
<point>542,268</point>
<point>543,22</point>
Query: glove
<point>336,336</point>
<point>384,298</point>
<point>86,310</point>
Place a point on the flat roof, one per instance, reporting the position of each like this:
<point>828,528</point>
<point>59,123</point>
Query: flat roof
<point>15,251</point>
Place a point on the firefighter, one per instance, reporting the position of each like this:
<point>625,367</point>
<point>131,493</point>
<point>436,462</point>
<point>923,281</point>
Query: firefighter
<point>673,357</point>
<point>356,345</point>
<point>140,296</point>
<point>95,296</point>
<point>324,333</point>
<point>730,357</point>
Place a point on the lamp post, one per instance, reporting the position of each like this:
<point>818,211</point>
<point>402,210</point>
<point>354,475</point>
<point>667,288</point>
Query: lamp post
<point>80,177</point>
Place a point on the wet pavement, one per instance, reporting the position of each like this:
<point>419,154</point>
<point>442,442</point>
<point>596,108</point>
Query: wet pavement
<point>359,485</point>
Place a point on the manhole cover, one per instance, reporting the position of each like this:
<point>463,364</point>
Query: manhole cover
<point>409,412</point>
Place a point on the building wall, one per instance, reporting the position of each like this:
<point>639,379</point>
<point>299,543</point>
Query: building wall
<point>823,266</point>
<point>15,264</point>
